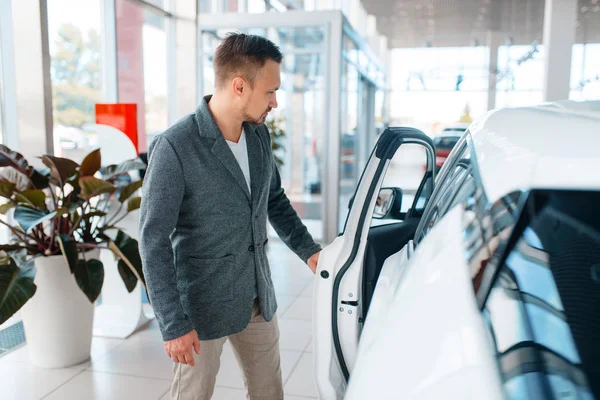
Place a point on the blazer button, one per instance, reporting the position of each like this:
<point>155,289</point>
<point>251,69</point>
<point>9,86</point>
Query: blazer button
<point>251,248</point>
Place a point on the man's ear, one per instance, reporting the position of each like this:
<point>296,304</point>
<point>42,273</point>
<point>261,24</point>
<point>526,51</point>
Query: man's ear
<point>238,86</point>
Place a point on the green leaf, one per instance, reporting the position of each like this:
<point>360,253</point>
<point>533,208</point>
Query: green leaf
<point>129,278</point>
<point>92,187</point>
<point>36,198</point>
<point>113,171</point>
<point>68,248</point>
<point>129,190</point>
<point>134,203</point>
<point>61,169</point>
<point>29,218</point>
<point>16,286</point>
<point>5,208</point>
<point>7,188</point>
<point>9,158</point>
<point>91,164</point>
<point>127,250</point>
<point>90,278</point>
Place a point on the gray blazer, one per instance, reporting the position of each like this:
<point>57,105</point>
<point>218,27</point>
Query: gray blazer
<point>203,236</point>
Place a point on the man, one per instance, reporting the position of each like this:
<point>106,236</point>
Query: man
<point>211,182</point>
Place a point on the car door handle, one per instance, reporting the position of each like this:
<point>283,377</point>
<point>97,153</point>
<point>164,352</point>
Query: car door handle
<point>352,303</point>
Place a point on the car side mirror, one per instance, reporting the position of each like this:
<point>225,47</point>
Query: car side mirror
<point>388,204</point>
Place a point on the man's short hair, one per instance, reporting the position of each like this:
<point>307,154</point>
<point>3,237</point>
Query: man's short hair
<point>243,55</point>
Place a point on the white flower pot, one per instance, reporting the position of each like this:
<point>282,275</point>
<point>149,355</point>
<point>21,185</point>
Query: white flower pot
<point>58,320</point>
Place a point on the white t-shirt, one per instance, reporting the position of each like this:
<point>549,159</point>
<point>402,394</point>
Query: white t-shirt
<point>240,151</point>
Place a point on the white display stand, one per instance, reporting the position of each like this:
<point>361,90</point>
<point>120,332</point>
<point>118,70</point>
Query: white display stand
<point>119,313</point>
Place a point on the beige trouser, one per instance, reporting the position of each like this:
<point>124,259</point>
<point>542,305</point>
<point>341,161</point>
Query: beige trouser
<point>257,351</point>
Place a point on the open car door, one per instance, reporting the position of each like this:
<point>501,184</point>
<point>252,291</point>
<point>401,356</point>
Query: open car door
<point>349,267</point>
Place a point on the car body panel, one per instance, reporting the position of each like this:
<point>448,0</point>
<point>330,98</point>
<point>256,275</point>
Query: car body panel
<point>537,147</point>
<point>449,355</point>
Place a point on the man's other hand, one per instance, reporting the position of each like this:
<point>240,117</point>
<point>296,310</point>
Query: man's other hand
<point>180,349</point>
<point>313,261</point>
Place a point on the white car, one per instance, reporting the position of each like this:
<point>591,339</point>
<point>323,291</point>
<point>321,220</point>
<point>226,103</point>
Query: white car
<point>489,286</point>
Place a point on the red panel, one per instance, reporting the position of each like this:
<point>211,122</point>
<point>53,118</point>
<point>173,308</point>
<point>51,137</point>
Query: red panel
<point>121,116</point>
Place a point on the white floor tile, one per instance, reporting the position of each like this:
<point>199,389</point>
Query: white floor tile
<point>288,397</point>
<point>301,381</point>
<point>289,359</point>
<point>309,348</point>
<point>300,309</point>
<point>23,381</point>
<point>223,393</point>
<point>100,347</point>
<point>167,395</point>
<point>308,291</point>
<point>284,303</point>
<point>294,334</point>
<point>230,374</point>
<point>142,355</point>
<point>290,286</point>
<point>102,386</point>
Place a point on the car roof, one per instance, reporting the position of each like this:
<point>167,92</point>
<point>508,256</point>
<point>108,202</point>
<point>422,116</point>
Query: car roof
<point>550,146</point>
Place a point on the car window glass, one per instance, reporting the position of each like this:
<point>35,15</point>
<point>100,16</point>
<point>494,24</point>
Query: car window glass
<point>400,183</point>
<point>448,191</point>
<point>543,309</point>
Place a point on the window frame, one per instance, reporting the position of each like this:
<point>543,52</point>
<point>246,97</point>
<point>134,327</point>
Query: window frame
<point>444,182</point>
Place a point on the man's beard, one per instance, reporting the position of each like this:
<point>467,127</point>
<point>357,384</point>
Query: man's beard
<point>255,121</point>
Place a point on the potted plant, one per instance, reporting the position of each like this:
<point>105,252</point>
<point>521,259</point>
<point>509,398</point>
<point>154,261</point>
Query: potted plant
<point>60,226</point>
<point>277,138</point>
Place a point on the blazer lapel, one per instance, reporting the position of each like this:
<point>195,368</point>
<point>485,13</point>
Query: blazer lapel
<point>222,151</point>
<point>255,160</point>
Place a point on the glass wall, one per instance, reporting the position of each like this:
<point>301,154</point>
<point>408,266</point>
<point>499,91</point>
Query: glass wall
<point>154,43</point>
<point>360,109</point>
<point>521,76</point>
<point>432,88</point>
<point>349,133</point>
<point>585,72</point>
<point>142,65</point>
<point>74,33</point>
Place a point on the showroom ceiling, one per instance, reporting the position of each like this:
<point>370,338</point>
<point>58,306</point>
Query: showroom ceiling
<point>418,23</point>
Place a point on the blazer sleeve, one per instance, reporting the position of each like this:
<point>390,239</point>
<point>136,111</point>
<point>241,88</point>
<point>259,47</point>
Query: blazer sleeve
<point>162,194</point>
<point>284,218</point>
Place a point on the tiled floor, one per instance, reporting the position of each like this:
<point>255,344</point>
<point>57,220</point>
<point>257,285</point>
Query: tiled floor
<point>137,368</point>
